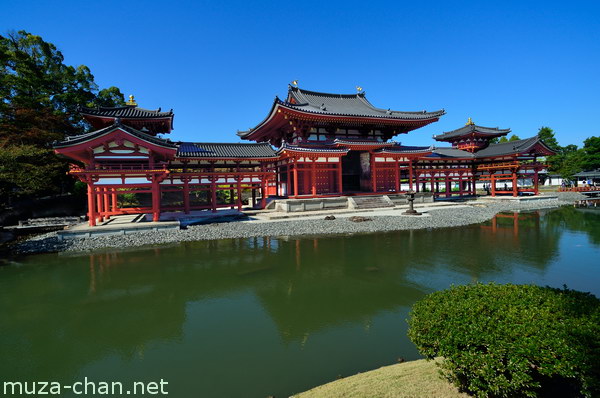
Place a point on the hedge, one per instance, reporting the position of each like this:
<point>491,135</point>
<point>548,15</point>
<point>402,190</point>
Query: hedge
<point>512,340</point>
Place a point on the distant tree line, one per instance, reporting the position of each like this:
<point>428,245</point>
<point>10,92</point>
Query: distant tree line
<point>39,96</point>
<point>570,160</point>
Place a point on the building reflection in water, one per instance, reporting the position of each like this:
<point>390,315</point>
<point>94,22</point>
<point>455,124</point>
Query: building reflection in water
<point>307,284</point>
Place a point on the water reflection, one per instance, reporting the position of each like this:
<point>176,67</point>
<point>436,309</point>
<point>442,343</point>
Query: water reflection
<point>241,308</point>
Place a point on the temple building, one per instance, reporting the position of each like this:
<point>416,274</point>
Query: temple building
<point>310,145</point>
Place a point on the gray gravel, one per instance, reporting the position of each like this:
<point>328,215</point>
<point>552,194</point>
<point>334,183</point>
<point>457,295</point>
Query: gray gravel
<point>437,218</point>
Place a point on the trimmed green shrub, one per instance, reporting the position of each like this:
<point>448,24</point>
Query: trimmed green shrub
<point>512,340</point>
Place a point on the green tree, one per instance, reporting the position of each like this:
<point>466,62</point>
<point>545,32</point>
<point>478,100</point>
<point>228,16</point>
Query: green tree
<point>571,163</point>
<point>591,150</point>
<point>567,161</point>
<point>26,169</point>
<point>546,134</point>
<point>513,137</point>
<point>38,105</point>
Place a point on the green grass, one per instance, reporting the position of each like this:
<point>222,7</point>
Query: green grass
<point>411,379</point>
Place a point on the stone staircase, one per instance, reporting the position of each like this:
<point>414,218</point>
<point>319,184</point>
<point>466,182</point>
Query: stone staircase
<point>369,202</point>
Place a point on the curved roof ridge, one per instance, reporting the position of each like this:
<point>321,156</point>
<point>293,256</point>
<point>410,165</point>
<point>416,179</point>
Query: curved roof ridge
<point>226,143</point>
<point>321,94</point>
<point>513,147</point>
<point>75,139</point>
<point>472,128</point>
<point>517,142</point>
<point>85,109</point>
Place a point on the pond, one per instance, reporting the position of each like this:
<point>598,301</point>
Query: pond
<point>266,316</point>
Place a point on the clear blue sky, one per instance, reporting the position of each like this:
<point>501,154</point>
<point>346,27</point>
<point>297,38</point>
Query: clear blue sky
<point>219,65</point>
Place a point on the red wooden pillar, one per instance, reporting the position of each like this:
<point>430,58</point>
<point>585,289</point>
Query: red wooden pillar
<point>536,182</point>
<point>186,195</point>
<point>340,177</point>
<point>238,187</point>
<point>213,194</point>
<point>373,173</point>
<point>514,183</point>
<point>410,176</point>
<point>277,181</point>
<point>263,194</point>
<point>448,187</point>
<point>106,203</point>
<point>213,188</point>
<point>493,183</point>
<point>238,191</point>
<point>263,187</point>
<point>432,174</point>
<point>91,205</point>
<point>115,205</point>
<point>313,177</point>
<point>99,203</point>
<point>288,188</point>
<point>397,174</point>
<point>295,172</point>
<point>155,199</point>
<point>474,184</point>
<point>418,182</point>
<point>239,195</point>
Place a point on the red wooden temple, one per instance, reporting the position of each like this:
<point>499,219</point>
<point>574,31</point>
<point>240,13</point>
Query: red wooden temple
<point>310,145</point>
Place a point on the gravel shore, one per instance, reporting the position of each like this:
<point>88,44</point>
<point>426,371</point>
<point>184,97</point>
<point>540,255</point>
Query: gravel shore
<point>442,217</point>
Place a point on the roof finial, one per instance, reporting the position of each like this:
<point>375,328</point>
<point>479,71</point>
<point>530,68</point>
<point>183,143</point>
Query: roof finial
<point>469,122</point>
<point>359,89</point>
<point>295,83</point>
<point>131,101</point>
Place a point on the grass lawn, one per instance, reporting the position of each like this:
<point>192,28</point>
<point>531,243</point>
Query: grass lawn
<point>411,379</point>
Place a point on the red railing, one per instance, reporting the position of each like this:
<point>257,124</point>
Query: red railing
<point>117,167</point>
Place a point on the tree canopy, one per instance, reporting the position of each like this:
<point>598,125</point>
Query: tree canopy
<point>570,160</point>
<point>591,150</point>
<point>39,99</point>
<point>546,134</point>
<point>502,140</point>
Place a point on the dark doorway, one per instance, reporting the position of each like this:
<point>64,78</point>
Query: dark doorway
<point>351,172</point>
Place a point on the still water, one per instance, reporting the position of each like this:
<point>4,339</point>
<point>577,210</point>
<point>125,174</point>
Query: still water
<point>266,316</point>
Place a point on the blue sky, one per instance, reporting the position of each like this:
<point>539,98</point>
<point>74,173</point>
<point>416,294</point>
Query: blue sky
<point>219,65</point>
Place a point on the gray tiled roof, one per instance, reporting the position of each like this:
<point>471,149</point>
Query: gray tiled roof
<point>312,148</point>
<point>404,149</point>
<point>451,153</point>
<point>124,112</point>
<point>77,139</point>
<point>347,105</point>
<point>472,128</point>
<point>509,148</point>
<point>363,141</point>
<point>225,150</point>
<point>593,173</point>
